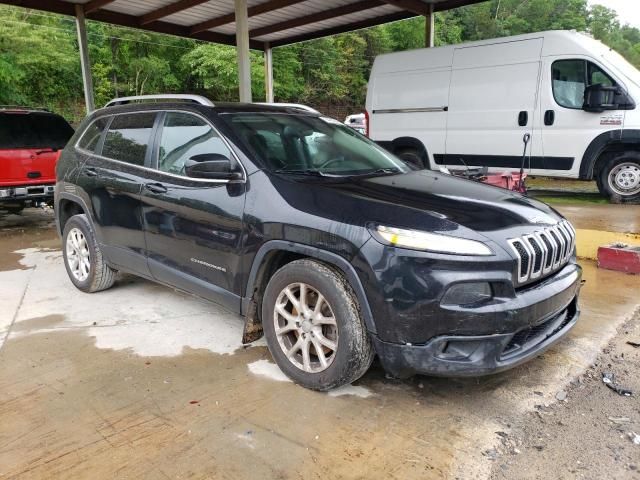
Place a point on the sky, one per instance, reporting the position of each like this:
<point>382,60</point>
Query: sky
<point>628,10</point>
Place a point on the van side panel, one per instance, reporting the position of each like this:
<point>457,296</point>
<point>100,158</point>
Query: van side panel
<point>490,86</point>
<point>408,97</point>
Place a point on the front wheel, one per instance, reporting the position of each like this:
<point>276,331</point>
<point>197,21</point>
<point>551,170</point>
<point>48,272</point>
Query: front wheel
<point>619,179</point>
<point>314,330</point>
<point>82,257</point>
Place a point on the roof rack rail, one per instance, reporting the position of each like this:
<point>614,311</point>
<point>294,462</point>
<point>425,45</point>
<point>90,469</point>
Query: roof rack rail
<point>160,98</point>
<point>297,106</point>
<point>23,107</point>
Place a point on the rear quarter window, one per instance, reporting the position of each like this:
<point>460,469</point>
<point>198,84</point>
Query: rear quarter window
<point>91,136</point>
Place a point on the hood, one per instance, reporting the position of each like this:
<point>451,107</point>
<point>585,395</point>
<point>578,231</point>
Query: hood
<point>421,200</point>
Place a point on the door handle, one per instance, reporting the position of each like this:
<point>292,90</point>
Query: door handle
<point>91,172</point>
<point>155,187</point>
<point>549,117</point>
<point>523,118</point>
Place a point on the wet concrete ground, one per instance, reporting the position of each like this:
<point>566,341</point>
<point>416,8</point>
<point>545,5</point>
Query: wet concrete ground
<point>144,382</point>
<point>608,218</point>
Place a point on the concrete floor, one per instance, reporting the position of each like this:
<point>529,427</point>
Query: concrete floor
<point>144,382</point>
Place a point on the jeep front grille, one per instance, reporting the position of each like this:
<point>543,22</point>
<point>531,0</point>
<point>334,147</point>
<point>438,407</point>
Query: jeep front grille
<point>543,251</point>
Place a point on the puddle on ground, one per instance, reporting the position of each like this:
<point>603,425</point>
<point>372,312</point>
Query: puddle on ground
<point>37,324</point>
<point>202,414</point>
<point>35,228</point>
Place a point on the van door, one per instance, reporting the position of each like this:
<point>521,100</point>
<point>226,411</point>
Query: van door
<point>492,104</point>
<point>565,128</point>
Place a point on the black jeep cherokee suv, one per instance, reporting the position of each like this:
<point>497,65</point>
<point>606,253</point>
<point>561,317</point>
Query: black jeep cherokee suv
<point>324,241</point>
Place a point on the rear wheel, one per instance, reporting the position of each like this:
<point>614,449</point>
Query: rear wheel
<point>312,323</point>
<point>82,257</point>
<point>15,210</point>
<point>619,178</point>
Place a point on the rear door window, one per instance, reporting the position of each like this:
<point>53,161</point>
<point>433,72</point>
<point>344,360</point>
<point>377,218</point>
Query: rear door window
<point>33,130</point>
<point>128,137</point>
<point>91,136</point>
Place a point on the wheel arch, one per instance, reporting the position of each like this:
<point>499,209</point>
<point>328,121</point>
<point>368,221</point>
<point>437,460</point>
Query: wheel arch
<point>275,254</point>
<point>605,145</point>
<point>67,206</point>
<point>408,142</point>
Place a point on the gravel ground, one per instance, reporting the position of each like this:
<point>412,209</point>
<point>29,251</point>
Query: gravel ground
<point>587,433</point>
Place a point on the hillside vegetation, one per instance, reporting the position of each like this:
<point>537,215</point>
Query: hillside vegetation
<point>39,63</point>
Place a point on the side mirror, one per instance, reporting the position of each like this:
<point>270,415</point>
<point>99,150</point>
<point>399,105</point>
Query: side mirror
<point>212,166</point>
<point>598,98</point>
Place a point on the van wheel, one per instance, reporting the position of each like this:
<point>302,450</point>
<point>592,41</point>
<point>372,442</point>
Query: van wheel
<point>82,257</point>
<point>411,156</point>
<point>314,330</point>
<point>619,179</point>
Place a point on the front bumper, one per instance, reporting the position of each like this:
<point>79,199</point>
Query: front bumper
<point>469,355</point>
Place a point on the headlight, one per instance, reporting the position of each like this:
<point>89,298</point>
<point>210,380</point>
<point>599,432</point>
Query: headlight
<point>432,242</point>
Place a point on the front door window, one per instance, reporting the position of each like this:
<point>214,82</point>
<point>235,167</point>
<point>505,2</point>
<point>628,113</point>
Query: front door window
<point>570,79</point>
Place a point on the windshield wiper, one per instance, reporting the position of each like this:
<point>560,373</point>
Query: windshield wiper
<point>378,172</point>
<point>301,171</point>
<point>319,173</point>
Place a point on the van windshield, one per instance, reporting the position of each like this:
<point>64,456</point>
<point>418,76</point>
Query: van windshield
<point>33,130</point>
<point>623,66</point>
<point>301,144</point>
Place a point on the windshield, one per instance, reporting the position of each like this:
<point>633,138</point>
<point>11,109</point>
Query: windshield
<point>304,144</point>
<point>623,66</point>
<point>33,130</point>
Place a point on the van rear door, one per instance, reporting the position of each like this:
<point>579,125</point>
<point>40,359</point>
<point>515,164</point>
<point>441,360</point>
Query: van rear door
<point>492,104</point>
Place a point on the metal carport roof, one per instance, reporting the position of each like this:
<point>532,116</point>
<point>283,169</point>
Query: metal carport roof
<point>279,22</point>
<point>257,24</point>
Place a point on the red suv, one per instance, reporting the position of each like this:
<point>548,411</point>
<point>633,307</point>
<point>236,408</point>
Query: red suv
<point>30,144</point>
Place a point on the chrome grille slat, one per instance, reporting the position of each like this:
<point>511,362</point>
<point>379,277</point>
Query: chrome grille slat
<point>565,251</point>
<point>558,249</point>
<point>548,248</point>
<point>537,256</point>
<point>543,251</point>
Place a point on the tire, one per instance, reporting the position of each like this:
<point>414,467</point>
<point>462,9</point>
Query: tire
<point>619,178</point>
<point>15,210</point>
<point>412,157</point>
<point>345,345</point>
<point>90,274</point>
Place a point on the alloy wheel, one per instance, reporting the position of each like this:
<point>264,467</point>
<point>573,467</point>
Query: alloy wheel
<point>306,327</point>
<point>78,256</point>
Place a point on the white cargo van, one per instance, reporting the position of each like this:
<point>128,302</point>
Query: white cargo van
<point>471,104</point>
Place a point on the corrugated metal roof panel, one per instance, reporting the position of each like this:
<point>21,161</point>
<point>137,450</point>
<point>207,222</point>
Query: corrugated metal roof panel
<point>201,13</point>
<point>334,22</point>
<point>136,7</point>
<point>206,11</point>
<point>283,14</point>
<point>302,10</point>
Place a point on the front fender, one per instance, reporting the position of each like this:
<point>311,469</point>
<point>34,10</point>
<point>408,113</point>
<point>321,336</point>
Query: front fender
<point>330,258</point>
